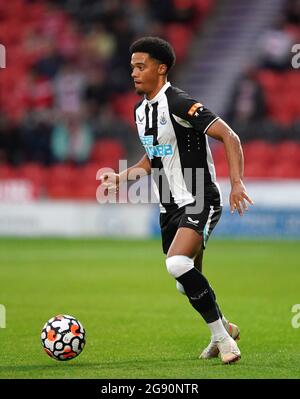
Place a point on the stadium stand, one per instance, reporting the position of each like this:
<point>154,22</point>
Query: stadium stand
<point>68,86</point>
<point>268,107</point>
<point>68,82</point>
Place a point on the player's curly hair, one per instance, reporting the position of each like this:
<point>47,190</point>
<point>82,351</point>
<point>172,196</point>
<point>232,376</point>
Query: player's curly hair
<point>157,48</point>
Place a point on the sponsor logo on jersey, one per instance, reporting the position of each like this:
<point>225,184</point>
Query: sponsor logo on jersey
<point>141,118</point>
<point>159,150</point>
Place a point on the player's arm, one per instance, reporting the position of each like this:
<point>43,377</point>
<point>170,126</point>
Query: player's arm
<point>141,168</point>
<point>112,181</point>
<point>219,130</point>
<point>206,122</point>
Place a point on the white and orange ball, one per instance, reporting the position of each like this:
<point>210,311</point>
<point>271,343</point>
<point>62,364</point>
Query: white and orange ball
<point>63,337</point>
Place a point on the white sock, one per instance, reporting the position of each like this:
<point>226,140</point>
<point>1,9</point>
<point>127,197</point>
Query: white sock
<point>217,329</point>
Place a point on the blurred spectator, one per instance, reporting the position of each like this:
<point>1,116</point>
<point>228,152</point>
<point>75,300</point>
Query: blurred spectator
<point>293,12</point>
<point>184,11</point>
<point>73,59</point>
<point>53,21</point>
<point>36,131</point>
<point>120,63</point>
<point>107,126</point>
<point>275,47</point>
<point>138,16</point>
<point>267,105</point>
<point>248,100</point>
<point>10,141</point>
<point>51,61</point>
<point>97,90</point>
<point>37,91</point>
<point>162,11</point>
<point>71,140</point>
<point>68,88</point>
<point>100,42</point>
<point>69,42</point>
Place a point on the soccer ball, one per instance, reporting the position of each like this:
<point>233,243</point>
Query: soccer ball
<point>63,337</point>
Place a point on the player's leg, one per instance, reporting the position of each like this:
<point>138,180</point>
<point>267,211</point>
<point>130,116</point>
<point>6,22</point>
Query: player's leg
<point>198,263</point>
<point>180,264</point>
<point>198,260</point>
<point>211,350</point>
<point>198,266</point>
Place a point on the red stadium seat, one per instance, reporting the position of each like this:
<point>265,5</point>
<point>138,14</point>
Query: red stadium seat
<point>62,174</point>
<point>33,172</point>
<point>19,19</point>
<point>85,192</point>
<point>108,152</point>
<point>259,150</point>
<point>220,161</point>
<point>221,168</point>
<point>293,30</point>
<point>204,6</point>
<point>59,191</point>
<point>89,171</point>
<point>7,172</point>
<point>269,80</point>
<point>124,104</point>
<point>218,152</point>
<point>256,169</point>
<point>292,80</point>
<point>286,170</point>
<point>179,36</point>
<point>289,150</point>
<point>281,108</point>
<point>281,91</point>
<point>82,191</point>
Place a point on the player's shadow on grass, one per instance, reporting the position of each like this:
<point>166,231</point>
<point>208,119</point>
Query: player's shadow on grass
<point>113,365</point>
<point>103,365</point>
<point>163,362</point>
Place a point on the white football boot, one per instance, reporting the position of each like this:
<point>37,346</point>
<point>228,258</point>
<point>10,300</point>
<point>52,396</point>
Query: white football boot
<point>212,350</point>
<point>229,351</point>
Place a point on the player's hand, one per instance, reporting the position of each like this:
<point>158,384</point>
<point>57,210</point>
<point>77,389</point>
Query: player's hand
<point>110,181</point>
<point>238,198</point>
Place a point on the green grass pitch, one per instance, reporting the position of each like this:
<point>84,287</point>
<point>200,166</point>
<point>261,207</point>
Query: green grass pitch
<point>138,325</point>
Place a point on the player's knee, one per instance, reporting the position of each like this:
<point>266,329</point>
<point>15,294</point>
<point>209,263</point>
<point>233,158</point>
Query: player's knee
<point>178,265</point>
<point>180,288</point>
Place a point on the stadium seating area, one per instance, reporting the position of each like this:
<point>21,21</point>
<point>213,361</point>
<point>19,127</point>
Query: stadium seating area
<point>266,110</point>
<point>265,160</point>
<point>68,81</point>
<point>66,100</point>
<point>42,37</point>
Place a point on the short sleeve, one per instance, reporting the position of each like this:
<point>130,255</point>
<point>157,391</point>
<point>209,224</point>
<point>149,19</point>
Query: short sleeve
<point>193,112</point>
<point>201,117</point>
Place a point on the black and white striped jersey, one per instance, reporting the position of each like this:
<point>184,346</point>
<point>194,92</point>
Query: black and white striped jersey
<point>172,129</point>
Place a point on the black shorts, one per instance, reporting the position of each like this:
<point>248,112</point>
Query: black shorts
<point>203,222</point>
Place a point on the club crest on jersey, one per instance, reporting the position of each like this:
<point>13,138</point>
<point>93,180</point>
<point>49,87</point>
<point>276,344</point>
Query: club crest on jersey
<point>159,150</point>
<point>163,119</point>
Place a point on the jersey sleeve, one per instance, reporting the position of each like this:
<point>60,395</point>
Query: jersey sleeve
<point>193,112</point>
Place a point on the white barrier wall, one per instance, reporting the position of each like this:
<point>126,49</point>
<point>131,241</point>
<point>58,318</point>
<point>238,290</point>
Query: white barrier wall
<point>75,219</point>
<point>276,213</point>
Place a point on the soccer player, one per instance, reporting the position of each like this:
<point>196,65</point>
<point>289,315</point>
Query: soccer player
<point>173,129</point>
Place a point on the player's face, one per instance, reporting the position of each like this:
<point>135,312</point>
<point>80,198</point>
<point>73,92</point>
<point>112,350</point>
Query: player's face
<point>146,73</point>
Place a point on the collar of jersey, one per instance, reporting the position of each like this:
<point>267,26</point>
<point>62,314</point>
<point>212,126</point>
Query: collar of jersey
<point>159,94</point>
